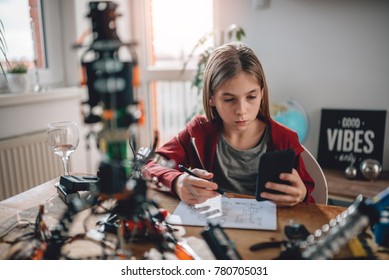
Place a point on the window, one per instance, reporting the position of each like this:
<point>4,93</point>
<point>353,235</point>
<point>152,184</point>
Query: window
<point>34,36</point>
<point>167,31</point>
<point>176,26</point>
<point>19,29</point>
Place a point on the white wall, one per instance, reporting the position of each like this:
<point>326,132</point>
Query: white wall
<point>23,114</point>
<point>324,53</point>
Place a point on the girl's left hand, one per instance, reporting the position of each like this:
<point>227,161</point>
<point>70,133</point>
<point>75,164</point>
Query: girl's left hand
<point>292,194</point>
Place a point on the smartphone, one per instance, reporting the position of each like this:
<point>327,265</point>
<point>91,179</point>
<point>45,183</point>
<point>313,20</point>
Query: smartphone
<point>271,164</point>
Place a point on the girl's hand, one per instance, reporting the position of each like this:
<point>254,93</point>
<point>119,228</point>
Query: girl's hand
<point>292,194</point>
<point>195,190</point>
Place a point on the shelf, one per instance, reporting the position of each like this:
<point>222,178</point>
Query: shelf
<point>340,187</point>
<point>31,112</point>
<point>49,95</point>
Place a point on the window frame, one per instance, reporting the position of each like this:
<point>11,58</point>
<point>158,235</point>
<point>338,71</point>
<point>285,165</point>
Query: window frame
<point>149,73</point>
<point>53,74</point>
<point>50,15</point>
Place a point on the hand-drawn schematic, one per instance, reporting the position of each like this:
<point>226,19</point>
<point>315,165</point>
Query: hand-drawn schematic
<point>227,212</point>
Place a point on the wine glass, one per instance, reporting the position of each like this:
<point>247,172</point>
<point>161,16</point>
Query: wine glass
<point>62,139</point>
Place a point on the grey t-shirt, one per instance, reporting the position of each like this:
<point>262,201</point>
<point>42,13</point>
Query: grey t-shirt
<point>236,170</point>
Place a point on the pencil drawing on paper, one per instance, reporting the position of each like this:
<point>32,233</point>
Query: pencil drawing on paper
<point>229,213</point>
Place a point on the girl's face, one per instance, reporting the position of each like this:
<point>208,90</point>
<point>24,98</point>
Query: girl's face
<point>238,101</point>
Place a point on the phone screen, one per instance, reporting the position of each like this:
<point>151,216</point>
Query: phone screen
<point>271,164</point>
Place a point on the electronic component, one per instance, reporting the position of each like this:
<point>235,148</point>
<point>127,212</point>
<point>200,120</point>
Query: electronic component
<point>68,196</point>
<point>78,183</point>
<point>296,232</point>
<point>325,244</point>
<point>221,246</point>
<point>381,229</point>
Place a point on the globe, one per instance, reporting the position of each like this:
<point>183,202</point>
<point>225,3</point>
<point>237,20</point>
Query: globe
<point>291,114</point>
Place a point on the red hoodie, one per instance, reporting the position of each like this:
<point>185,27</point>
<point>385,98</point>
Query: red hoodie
<point>195,146</point>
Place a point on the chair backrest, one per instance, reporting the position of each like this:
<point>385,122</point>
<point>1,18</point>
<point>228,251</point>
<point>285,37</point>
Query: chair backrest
<point>320,192</point>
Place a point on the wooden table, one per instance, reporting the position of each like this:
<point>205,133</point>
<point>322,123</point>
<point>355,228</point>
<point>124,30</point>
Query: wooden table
<point>313,216</point>
<point>340,187</point>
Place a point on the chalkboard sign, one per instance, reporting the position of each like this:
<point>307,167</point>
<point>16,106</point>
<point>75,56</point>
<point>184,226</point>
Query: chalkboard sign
<point>350,135</point>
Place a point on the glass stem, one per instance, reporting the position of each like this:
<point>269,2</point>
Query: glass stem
<point>65,164</point>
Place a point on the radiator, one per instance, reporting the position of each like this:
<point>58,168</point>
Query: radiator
<point>25,162</point>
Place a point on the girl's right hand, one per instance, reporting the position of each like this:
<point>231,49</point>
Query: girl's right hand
<point>195,190</point>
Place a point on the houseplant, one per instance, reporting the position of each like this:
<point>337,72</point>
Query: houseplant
<point>3,47</point>
<point>233,33</point>
<point>17,67</point>
<point>17,77</point>
<point>3,58</point>
<point>13,74</point>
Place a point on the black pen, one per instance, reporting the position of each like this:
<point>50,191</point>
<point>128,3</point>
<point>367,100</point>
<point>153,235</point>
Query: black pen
<point>187,170</point>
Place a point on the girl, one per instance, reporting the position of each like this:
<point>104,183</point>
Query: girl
<point>223,148</point>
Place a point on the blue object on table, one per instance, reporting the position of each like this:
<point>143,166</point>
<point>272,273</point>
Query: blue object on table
<point>381,229</point>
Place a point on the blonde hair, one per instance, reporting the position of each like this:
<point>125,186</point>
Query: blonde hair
<point>226,62</point>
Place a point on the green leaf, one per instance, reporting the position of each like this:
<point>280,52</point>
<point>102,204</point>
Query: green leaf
<point>3,46</point>
<point>234,32</point>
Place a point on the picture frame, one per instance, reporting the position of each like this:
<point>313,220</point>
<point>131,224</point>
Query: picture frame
<point>347,137</point>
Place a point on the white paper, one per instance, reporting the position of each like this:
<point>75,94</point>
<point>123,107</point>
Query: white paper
<point>228,212</point>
